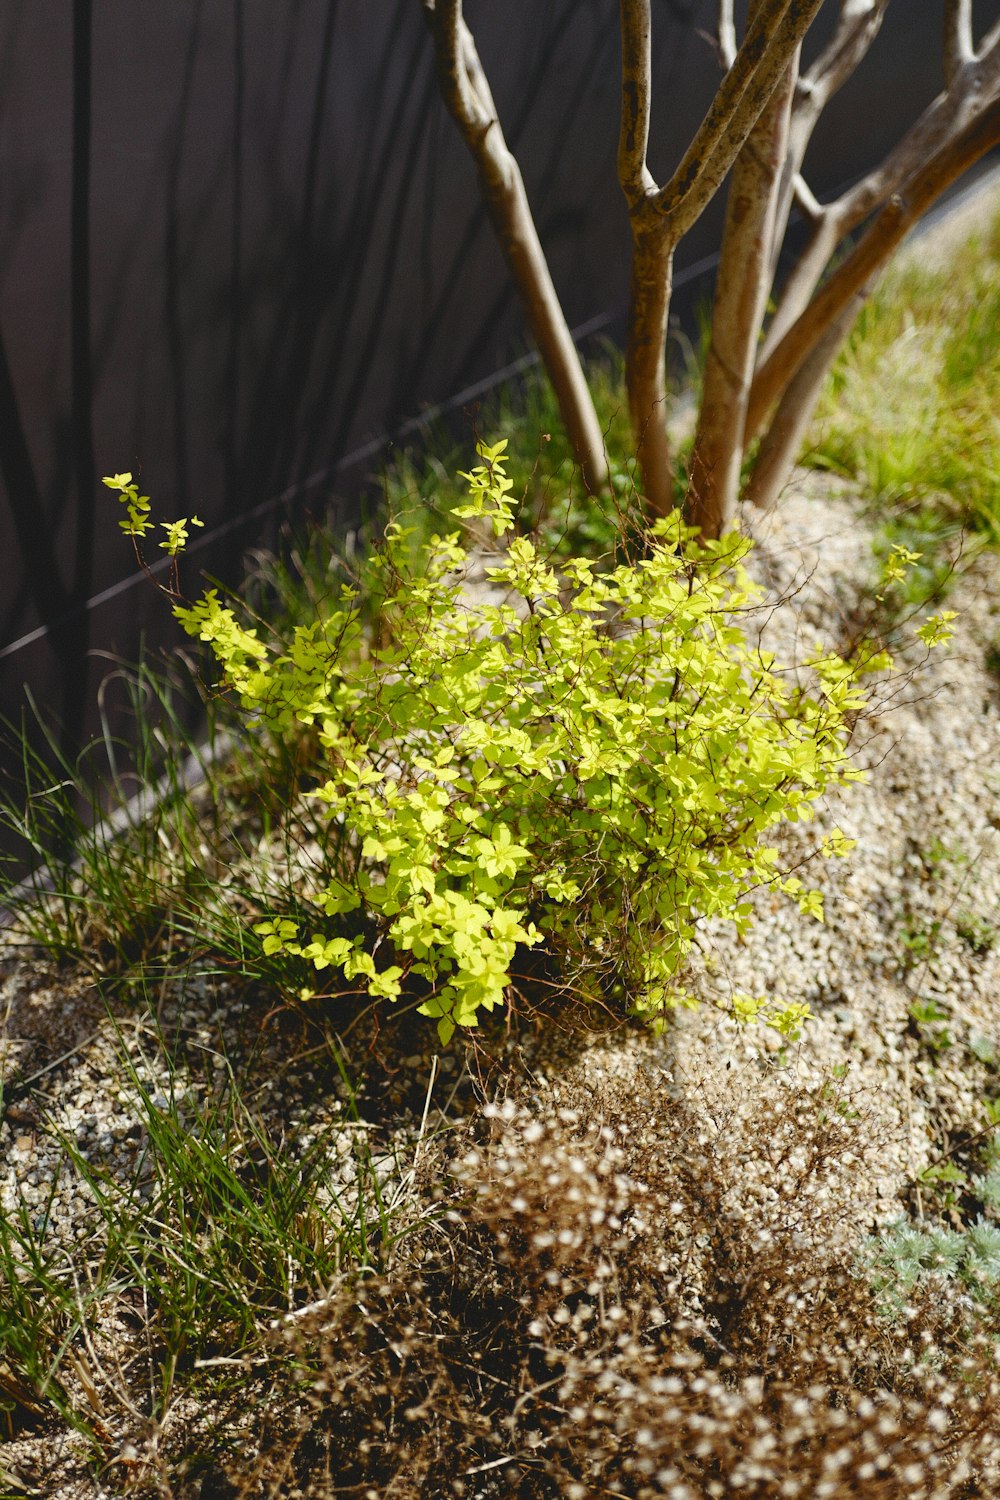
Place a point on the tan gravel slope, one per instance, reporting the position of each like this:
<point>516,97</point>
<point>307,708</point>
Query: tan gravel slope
<point>903,978</point>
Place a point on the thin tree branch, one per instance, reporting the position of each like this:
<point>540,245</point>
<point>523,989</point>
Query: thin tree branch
<point>949,113</point>
<point>988,40</point>
<point>725,34</point>
<point>469,99</point>
<point>713,128</point>
<point>633,138</point>
<point>958,47</point>
<point>805,199</point>
<point>871,252</point>
<point>943,119</point>
<point>857,27</point>
<point>724,131</point>
<point>476,80</point>
<point>448,26</point>
<point>738,309</point>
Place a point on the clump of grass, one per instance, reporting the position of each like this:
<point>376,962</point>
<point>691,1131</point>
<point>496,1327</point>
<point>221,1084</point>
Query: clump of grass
<point>119,838</point>
<point>911,407</point>
<point>227,1221</point>
<point>149,849</point>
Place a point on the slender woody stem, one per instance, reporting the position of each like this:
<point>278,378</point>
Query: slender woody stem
<point>942,120</point>
<point>699,180</point>
<point>633,137</point>
<point>958,46</point>
<point>725,34</point>
<point>871,252</point>
<point>738,310</point>
<point>467,94</point>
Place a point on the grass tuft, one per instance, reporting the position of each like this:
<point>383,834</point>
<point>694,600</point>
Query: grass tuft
<point>912,409</point>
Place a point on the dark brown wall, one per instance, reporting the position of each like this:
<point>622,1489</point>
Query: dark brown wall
<point>239,239</point>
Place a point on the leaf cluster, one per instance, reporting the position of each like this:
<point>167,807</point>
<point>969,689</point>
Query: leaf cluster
<point>138,522</point>
<point>550,777</point>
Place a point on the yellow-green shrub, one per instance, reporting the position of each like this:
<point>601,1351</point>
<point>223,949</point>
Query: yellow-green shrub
<point>564,783</point>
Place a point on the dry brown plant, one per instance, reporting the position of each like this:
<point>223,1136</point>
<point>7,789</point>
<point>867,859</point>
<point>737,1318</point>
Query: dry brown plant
<point>623,1300</point>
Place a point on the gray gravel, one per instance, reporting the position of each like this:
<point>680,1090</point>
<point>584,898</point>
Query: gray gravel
<point>927,862</point>
<point>914,912</point>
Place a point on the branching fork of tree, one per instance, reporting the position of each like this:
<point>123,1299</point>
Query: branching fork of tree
<point>762,376</point>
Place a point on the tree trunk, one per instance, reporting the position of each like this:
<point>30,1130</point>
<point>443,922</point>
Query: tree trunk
<point>660,216</point>
<point>467,94</point>
<point>866,259</point>
<point>783,441</point>
<point>737,313</point>
<point>503,191</point>
<point>645,363</point>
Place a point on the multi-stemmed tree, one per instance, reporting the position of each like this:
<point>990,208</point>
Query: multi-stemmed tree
<point>762,375</point>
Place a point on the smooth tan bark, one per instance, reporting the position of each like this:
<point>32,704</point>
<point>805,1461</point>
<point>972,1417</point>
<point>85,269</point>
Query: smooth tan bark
<point>651,269</point>
<point>737,313</point>
<point>637,93</point>
<point>467,94</point>
<point>659,216</point>
<point>958,48</point>
<point>783,441</point>
<point>771,41</point>
<point>725,33</point>
<point>858,24</point>
<point>645,365</point>
<point>976,82</point>
<point>867,258</point>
